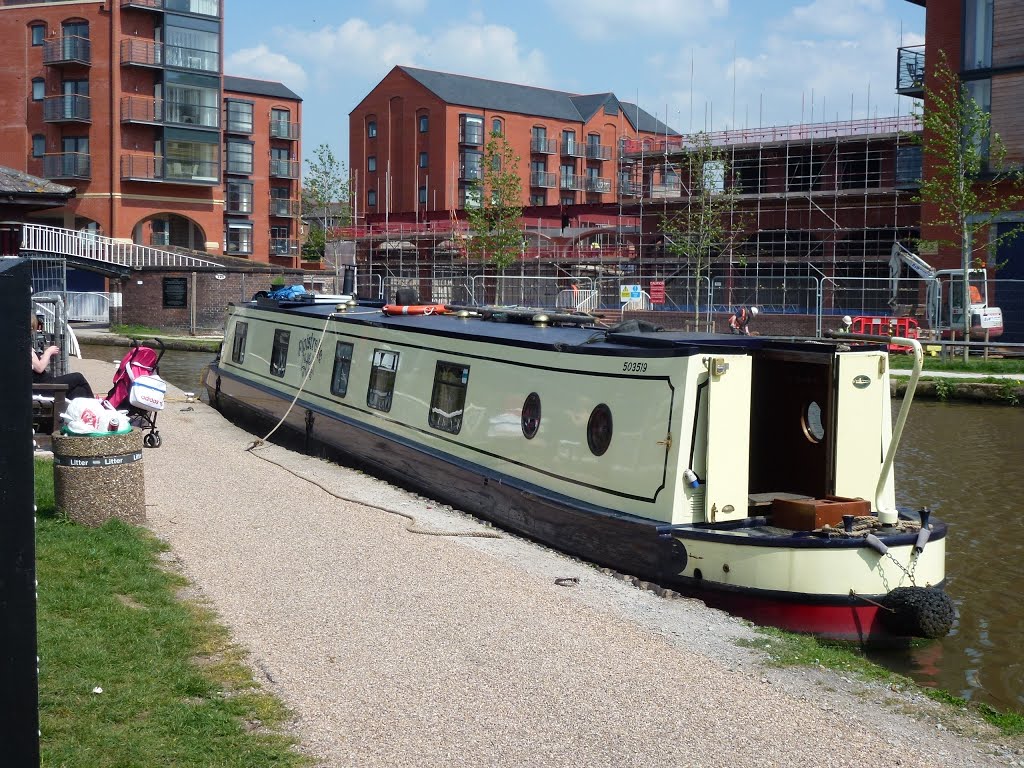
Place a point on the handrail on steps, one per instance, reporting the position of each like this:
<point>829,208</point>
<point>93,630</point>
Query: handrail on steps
<point>891,516</point>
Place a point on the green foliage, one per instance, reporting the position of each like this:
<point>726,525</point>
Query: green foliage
<point>786,649</point>
<point>977,365</point>
<point>326,199</point>
<point>175,691</point>
<point>706,226</point>
<point>495,216</point>
<point>316,242</point>
<point>135,330</point>
<point>1010,723</point>
<point>944,389</point>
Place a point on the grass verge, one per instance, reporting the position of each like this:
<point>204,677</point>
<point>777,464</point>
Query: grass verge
<point>786,649</point>
<point>976,365</point>
<point>175,691</point>
<point>136,331</point>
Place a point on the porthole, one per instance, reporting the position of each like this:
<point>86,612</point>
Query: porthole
<point>813,428</point>
<point>599,429</point>
<point>531,415</point>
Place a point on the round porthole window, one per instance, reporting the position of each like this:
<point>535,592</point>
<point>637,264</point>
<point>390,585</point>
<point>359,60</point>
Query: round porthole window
<point>812,426</point>
<point>531,415</point>
<point>599,429</point>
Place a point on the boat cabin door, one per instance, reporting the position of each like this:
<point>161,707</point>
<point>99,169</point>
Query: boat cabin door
<point>728,438</point>
<point>863,424</point>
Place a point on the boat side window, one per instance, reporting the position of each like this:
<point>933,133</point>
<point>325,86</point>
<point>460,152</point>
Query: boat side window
<point>342,364</point>
<point>449,396</point>
<point>382,379</point>
<point>599,429</point>
<point>279,354</point>
<point>238,345</point>
<point>531,415</point>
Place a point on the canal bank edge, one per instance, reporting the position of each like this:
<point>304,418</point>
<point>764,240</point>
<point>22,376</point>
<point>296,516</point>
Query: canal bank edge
<point>1005,392</point>
<point>178,343</point>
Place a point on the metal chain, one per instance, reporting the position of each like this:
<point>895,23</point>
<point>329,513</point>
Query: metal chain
<point>913,566</point>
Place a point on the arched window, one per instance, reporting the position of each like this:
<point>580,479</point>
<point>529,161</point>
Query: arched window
<point>497,126</point>
<point>423,121</point>
<point>37,32</point>
<point>371,129</point>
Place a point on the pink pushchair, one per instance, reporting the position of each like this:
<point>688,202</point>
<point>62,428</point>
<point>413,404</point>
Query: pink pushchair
<point>139,390</point>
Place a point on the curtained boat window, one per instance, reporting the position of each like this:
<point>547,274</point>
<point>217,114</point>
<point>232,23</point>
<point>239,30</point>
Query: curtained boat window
<point>599,429</point>
<point>449,397</point>
<point>238,345</point>
<point>342,364</point>
<point>382,379</point>
<point>531,415</point>
<point>279,354</point>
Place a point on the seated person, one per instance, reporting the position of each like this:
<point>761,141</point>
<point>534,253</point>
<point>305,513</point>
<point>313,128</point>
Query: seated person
<point>76,383</point>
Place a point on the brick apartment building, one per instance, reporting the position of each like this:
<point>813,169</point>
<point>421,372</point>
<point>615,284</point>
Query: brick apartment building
<point>126,101</point>
<point>983,41</point>
<point>417,140</point>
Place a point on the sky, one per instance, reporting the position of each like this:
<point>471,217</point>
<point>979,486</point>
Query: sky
<point>695,64</point>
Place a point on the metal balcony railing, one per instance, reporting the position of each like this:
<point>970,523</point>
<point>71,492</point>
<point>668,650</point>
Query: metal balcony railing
<point>284,246</point>
<point>910,70</point>
<point>146,53</point>
<point>171,170</point>
<point>598,152</point>
<point>571,181</point>
<point>284,207</point>
<point>284,169</point>
<point>574,149</point>
<point>629,188</point>
<point>67,108</point>
<point>136,109</point>
<point>67,165</point>
<point>543,146</point>
<point>543,179</point>
<point>666,189</point>
<point>597,184</point>
<point>282,129</point>
<point>197,7</point>
<point>909,164</point>
<point>68,50</point>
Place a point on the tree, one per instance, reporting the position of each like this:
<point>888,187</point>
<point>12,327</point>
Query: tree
<point>967,181</point>
<point>706,225</point>
<point>325,199</point>
<point>494,205</point>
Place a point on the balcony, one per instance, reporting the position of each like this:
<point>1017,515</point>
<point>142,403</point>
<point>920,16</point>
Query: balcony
<point>598,152</point>
<point>910,71</point>
<point>173,171</point>
<point>543,146</point>
<point>67,108</point>
<point>908,166</point>
<point>573,149</point>
<point>284,246</point>
<point>571,181</point>
<point>67,50</point>
<point>195,7</point>
<point>67,165</point>
<point>146,53</point>
<point>282,129</point>
<point>599,185</point>
<point>543,179</point>
<point>136,109</point>
<point>629,189</point>
<point>472,136</point>
<point>666,189</point>
<point>284,207</point>
<point>284,169</point>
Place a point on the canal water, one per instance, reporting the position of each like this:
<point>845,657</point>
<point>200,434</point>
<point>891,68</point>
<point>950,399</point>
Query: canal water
<point>965,462</point>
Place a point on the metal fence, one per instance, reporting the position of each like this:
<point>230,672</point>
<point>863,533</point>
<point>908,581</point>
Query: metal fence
<point>85,307</point>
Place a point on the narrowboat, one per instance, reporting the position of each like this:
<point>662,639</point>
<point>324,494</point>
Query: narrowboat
<point>752,472</point>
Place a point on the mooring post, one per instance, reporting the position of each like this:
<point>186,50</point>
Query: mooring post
<point>19,693</point>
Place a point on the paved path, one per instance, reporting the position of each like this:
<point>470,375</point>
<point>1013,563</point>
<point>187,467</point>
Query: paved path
<point>396,649</point>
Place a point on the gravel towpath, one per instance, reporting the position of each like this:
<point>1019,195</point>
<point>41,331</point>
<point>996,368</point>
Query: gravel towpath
<point>398,649</point>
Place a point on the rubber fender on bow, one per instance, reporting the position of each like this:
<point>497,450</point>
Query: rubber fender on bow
<point>918,612</point>
<point>414,309</point>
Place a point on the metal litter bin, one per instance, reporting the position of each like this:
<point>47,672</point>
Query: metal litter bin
<point>97,478</point>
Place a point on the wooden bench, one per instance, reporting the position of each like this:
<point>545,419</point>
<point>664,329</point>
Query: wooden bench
<point>49,401</point>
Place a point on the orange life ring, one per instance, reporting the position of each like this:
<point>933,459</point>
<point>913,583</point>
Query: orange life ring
<point>414,309</point>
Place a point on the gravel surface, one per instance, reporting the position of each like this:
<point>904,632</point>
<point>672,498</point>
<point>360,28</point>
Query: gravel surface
<point>398,649</point>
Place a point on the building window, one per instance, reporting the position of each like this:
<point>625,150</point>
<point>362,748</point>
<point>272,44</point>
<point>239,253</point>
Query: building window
<point>371,129</point>
<point>424,123</point>
<point>371,164</point>
<point>371,198</point>
<point>238,238</point>
<point>239,157</point>
<point>37,33</point>
<point>423,195</point>
<point>471,166</point>
<point>423,160</point>
<point>382,380</point>
<point>280,123</point>
<point>496,126</point>
<point>342,364</point>
<point>279,353</point>
<point>471,129</point>
<point>238,345</point>
<point>238,117</point>
<point>538,198</point>
<point>38,145</point>
<point>568,142</point>
<point>192,100</point>
<point>239,197</point>
<point>977,34</point>
<point>981,92</point>
<point>449,397</point>
<point>568,200</point>
<point>38,88</point>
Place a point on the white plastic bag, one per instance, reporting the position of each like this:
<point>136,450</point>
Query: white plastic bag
<point>148,393</point>
<point>86,416</point>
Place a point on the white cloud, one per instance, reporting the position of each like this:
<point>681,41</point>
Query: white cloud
<point>262,63</point>
<point>611,19</point>
<point>407,6</point>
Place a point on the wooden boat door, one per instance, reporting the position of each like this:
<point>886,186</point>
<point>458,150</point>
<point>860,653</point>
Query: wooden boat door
<point>863,423</point>
<point>728,438</point>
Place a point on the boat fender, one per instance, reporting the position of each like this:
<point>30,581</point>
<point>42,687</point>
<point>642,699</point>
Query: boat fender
<point>918,612</point>
<point>876,544</point>
<point>922,539</point>
<point>691,478</point>
<point>414,309</point>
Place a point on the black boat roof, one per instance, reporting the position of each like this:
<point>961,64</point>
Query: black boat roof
<point>582,338</point>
